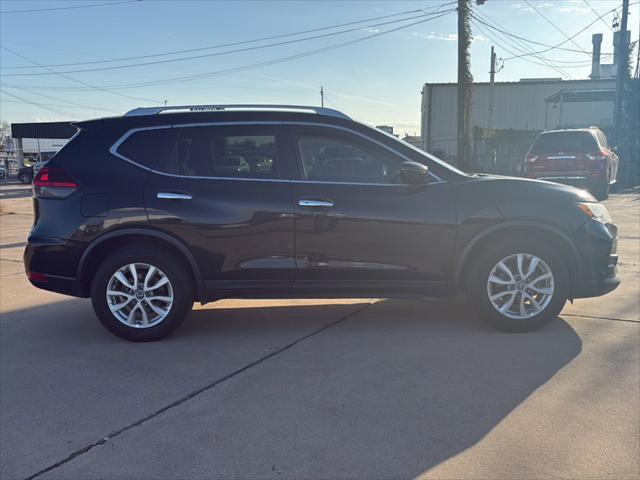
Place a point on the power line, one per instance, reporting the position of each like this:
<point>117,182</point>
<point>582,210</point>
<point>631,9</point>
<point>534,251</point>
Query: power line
<point>90,5</point>
<point>265,63</point>
<point>68,102</point>
<point>543,62</point>
<point>557,28</point>
<point>39,105</point>
<point>246,49</point>
<point>597,14</point>
<point>550,47</point>
<point>434,10</point>
<point>521,46</point>
<point>75,80</point>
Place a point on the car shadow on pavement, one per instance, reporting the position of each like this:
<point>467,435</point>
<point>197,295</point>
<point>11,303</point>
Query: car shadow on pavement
<point>391,391</point>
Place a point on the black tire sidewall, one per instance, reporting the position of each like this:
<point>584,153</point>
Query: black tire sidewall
<point>479,274</point>
<point>171,267</point>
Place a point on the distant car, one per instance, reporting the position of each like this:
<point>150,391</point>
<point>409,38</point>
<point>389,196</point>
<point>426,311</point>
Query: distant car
<point>25,174</point>
<point>579,157</point>
<point>3,172</point>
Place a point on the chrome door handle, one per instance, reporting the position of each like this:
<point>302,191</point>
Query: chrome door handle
<point>315,203</point>
<point>173,196</point>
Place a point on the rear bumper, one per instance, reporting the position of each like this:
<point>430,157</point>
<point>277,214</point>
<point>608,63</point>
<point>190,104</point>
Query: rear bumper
<point>50,264</point>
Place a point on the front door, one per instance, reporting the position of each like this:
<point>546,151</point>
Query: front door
<point>359,228</point>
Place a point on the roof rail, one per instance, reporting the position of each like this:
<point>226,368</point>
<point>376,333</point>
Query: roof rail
<point>207,108</point>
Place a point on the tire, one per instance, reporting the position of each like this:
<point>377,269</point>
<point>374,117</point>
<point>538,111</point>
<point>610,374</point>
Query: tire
<point>479,288</point>
<point>601,192</point>
<point>25,178</point>
<point>145,324</point>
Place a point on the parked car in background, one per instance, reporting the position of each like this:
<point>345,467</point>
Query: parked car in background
<point>26,174</point>
<point>149,212</point>
<point>580,157</point>
<point>3,172</point>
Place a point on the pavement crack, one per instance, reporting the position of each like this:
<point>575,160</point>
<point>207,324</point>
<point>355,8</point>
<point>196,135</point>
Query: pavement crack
<point>195,393</point>
<point>600,318</point>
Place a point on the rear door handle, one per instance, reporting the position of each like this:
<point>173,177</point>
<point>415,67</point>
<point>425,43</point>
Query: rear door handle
<point>173,196</point>
<point>315,203</point>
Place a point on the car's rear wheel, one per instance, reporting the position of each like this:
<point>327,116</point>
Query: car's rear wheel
<point>25,178</point>
<point>518,286</point>
<point>141,294</point>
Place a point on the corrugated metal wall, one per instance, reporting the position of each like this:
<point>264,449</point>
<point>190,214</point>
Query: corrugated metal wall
<point>517,105</point>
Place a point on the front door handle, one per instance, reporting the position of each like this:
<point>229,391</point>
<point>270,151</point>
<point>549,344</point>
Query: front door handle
<point>315,203</point>
<point>173,196</point>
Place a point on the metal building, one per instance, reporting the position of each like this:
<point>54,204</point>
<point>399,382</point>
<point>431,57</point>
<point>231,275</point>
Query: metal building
<point>528,105</point>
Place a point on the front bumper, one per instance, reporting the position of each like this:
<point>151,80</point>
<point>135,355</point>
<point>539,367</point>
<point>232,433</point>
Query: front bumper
<point>597,247</point>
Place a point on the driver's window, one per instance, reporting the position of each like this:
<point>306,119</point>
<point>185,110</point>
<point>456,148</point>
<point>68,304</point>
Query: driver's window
<point>339,159</point>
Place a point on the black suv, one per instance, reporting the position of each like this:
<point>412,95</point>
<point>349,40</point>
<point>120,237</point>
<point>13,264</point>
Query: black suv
<point>149,212</point>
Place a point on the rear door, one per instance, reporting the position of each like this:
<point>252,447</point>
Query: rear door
<point>218,189</point>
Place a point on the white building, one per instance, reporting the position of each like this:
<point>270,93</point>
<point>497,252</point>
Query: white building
<point>528,105</point>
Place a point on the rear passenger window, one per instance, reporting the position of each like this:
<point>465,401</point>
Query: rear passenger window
<point>218,151</point>
<point>146,147</point>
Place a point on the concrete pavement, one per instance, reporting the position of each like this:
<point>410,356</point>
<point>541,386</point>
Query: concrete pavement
<point>319,389</point>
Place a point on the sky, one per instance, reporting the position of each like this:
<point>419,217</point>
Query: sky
<point>373,70</point>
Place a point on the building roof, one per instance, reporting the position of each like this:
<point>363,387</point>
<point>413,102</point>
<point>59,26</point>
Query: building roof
<point>530,81</point>
<point>43,130</point>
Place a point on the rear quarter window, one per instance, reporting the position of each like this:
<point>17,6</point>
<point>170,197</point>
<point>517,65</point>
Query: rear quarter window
<point>556,142</point>
<point>146,147</point>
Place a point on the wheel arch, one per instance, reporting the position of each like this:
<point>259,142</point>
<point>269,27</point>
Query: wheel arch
<point>115,240</point>
<point>521,230</point>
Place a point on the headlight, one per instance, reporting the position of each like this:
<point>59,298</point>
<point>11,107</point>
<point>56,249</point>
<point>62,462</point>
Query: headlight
<point>597,211</point>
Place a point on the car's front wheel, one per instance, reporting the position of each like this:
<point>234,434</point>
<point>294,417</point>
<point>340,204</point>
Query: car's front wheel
<point>141,294</point>
<point>518,286</point>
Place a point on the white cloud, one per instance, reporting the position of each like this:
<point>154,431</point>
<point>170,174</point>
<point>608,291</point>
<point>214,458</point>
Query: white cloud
<point>451,37</point>
<point>574,9</point>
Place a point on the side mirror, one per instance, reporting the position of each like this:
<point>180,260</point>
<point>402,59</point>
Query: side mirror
<point>414,173</point>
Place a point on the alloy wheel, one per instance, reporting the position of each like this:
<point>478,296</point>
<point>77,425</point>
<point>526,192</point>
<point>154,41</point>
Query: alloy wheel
<point>520,286</point>
<point>139,295</point>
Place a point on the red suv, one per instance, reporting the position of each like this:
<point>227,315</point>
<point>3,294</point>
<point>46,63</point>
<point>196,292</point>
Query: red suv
<point>579,157</point>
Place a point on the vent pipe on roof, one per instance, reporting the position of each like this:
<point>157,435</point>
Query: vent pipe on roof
<point>596,39</point>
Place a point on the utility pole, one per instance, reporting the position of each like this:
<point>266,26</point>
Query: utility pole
<point>464,87</point>
<point>321,96</point>
<point>623,39</point>
<point>492,77</point>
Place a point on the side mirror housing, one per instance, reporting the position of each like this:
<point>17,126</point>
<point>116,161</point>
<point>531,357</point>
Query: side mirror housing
<point>414,173</point>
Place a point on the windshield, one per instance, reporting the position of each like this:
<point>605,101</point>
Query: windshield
<point>422,153</point>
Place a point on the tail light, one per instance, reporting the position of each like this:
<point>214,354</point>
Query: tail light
<point>600,155</point>
<point>53,183</point>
